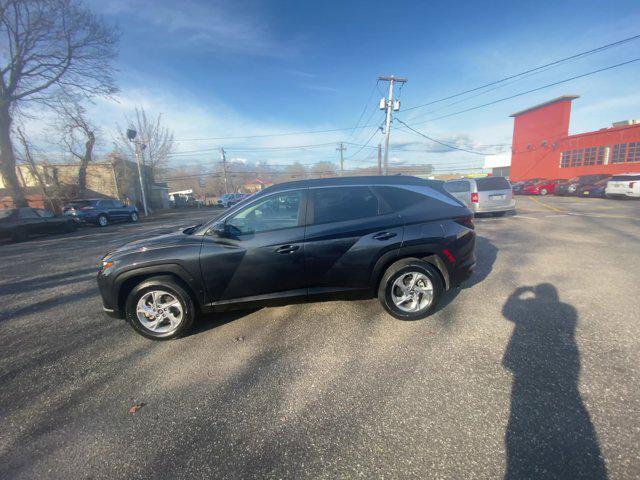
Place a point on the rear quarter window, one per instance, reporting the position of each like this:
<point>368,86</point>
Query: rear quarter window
<point>492,183</point>
<point>457,187</point>
<point>625,178</point>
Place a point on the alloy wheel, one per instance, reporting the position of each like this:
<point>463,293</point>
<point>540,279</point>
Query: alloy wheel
<point>159,311</point>
<point>412,292</point>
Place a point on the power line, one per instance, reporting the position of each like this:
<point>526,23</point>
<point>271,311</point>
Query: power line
<point>441,142</point>
<point>366,106</point>
<point>362,147</point>
<point>556,62</point>
<point>528,91</point>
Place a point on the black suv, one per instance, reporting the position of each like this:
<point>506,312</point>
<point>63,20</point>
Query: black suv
<point>402,239</point>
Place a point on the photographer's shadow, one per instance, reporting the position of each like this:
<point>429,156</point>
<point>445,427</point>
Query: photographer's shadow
<point>550,434</point>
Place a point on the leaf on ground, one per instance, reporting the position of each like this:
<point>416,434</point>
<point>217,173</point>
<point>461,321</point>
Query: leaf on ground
<point>136,407</point>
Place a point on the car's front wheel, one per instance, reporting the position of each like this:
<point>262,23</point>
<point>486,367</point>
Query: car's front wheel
<point>543,192</point>
<point>133,217</point>
<point>103,221</point>
<point>160,309</point>
<point>410,289</point>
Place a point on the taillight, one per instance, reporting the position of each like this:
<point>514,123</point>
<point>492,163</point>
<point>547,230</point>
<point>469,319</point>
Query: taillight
<point>449,255</point>
<point>474,198</point>
<point>465,222</point>
<point>631,184</point>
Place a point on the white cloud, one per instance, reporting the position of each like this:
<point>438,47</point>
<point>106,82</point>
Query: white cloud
<point>224,27</point>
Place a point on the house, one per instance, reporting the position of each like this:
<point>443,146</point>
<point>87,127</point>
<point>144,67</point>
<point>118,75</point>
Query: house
<point>255,185</point>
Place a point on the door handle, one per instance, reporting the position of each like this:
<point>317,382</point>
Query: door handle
<point>384,235</point>
<point>287,248</point>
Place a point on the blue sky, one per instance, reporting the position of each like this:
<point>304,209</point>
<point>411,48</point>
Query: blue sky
<point>224,69</point>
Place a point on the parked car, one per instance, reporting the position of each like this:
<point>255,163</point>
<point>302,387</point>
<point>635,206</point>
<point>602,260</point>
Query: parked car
<point>20,223</point>
<point>101,212</point>
<point>518,187</point>
<point>595,189</point>
<point>402,239</point>
<point>625,185</point>
<point>230,199</point>
<point>542,187</point>
<point>570,187</point>
<point>483,195</point>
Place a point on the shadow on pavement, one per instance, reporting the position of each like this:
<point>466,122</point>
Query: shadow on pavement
<point>486,255</point>
<point>549,434</point>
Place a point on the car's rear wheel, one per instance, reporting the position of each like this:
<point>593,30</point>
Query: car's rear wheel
<point>160,309</point>
<point>543,191</point>
<point>133,217</point>
<point>410,289</point>
<point>103,221</point>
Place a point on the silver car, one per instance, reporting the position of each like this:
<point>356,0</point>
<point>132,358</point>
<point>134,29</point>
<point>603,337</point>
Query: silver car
<point>483,195</point>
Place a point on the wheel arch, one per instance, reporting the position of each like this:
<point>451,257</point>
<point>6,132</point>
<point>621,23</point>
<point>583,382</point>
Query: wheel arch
<point>386,260</point>
<point>127,281</point>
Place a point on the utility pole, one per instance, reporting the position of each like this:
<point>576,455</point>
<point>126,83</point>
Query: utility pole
<point>379,159</point>
<point>139,160</point>
<point>341,149</point>
<point>224,169</point>
<point>389,105</point>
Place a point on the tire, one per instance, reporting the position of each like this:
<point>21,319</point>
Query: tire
<point>71,227</point>
<point>134,217</point>
<point>543,192</point>
<point>103,221</point>
<point>19,235</point>
<point>167,291</point>
<point>401,271</point>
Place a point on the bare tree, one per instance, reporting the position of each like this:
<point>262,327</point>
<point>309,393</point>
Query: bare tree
<point>49,48</point>
<point>79,137</point>
<point>153,134</point>
<point>323,169</point>
<point>28,159</point>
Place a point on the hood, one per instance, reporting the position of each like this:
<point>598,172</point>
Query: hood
<point>150,243</point>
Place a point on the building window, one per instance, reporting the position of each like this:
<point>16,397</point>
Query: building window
<point>564,159</point>
<point>590,155</point>
<point>576,158</point>
<point>619,153</point>
<point>634,152</point>
<point>601,154</point>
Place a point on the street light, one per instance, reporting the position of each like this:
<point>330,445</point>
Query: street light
<point>131,135</point>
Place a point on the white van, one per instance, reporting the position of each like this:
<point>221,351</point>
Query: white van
<point>624,185</point>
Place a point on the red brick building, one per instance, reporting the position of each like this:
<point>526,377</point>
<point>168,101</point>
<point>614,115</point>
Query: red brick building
<point>543,148</point>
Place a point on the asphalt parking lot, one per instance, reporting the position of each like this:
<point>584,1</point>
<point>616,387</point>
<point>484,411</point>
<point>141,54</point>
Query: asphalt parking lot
<point>530,370</point>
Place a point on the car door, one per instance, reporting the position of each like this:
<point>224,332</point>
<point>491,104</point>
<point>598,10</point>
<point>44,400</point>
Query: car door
<point>348,229</point>
<point>30,221</point>
<point>257,253</point>
<point>51,223</point>
<point>120,210</point>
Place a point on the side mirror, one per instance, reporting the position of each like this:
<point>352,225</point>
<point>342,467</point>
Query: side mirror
<point>218,230</point>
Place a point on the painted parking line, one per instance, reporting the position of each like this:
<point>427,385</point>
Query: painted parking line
<point>545,205</point>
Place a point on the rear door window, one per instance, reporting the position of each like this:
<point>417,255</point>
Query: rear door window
<point>27,213</point>
<point>492,183</point>
<point>457,186</point>
<point>343,203</point>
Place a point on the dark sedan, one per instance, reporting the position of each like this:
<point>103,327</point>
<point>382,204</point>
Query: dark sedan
<point>101,212</point>
<point>595,189</point>
<point>20,223</point>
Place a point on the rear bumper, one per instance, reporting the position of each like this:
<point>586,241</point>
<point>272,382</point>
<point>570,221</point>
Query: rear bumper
<point>480,208</point>
<point>622,193</point>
